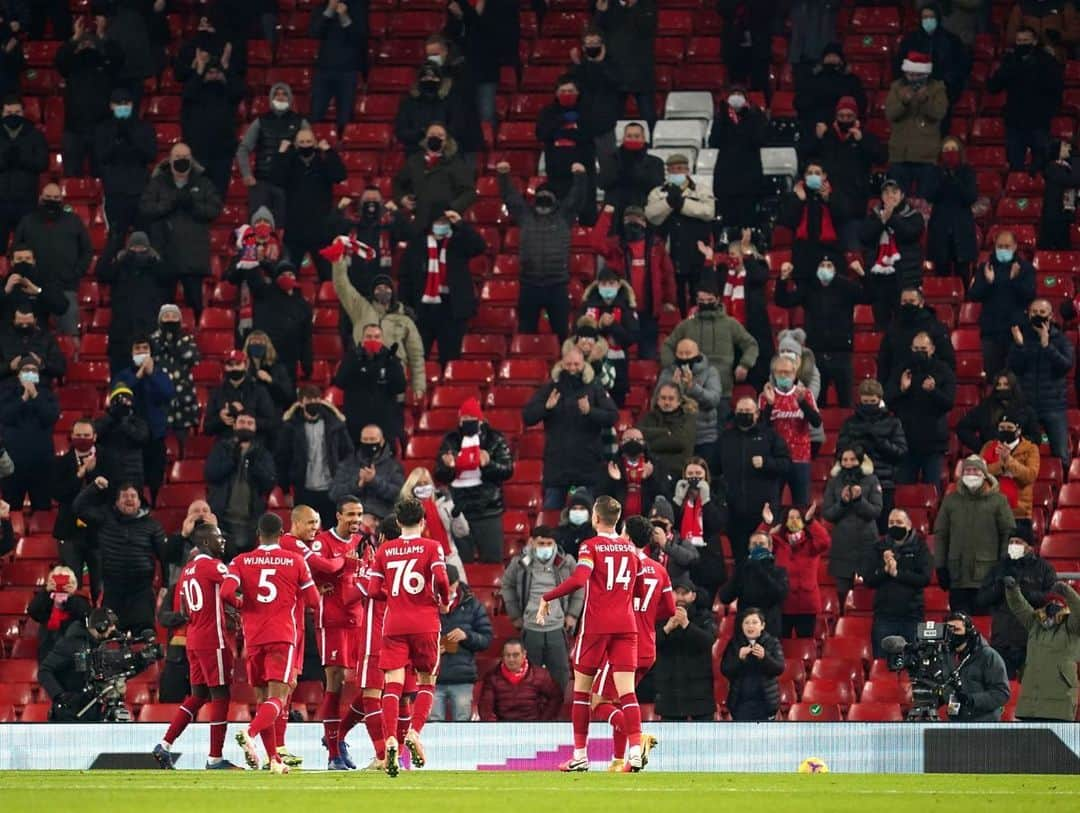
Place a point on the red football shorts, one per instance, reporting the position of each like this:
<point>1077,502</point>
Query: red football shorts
<point>337,645</point>
<point>421,649</point>
<point>604,685</point>
<point>210,667</point>
<point>617,648</point>
<point>368,672</point>
<point>277,662</point>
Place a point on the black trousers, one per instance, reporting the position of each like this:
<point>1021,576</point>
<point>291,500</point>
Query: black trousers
<point>154,460</point>
<point>33,482</point>
<point>122,215</point>
<point>437,324</point>
<point>191,285</point>
<point>55,10</point>
<point>835,369</point>
<point>802,624</point>
<point>555,299</point>
<point>11,212</point>
<point>132,603</point>
<point>740,526</point>
<point>962,599</point>
<point>77,150</point>
<point>299,245</point>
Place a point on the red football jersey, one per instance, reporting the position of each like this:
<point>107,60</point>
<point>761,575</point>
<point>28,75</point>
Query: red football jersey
<point>272,581</point>
<point>411,573</point>
<point>654,602</point>
<point>200,596</point>
<point>374,609</point>
<point>342,606</point>
<point>608,568</point>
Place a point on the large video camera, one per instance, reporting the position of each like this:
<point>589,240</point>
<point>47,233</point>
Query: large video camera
<point>108,667</point>
<point>928,662</point>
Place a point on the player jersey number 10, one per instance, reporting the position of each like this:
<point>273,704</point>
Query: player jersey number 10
<point>405,576</point>
<point>192,594</point>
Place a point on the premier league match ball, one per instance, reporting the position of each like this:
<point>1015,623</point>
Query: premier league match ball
<point>813,765</point>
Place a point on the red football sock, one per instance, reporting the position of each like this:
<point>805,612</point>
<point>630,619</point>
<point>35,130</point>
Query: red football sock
<point>265,716</point>
<point>353,715</point>
<point>373,720</point>
<point>391,702</point>
<point>404,718</point>
<point>219,715</point>
<point>579,716</point>
<point>632,713</point>
<point>331,717</point>
<point>269,741</point>
<point>425,699</point>
<point>611,714</point>
<point>187,712</point>
<point>281,722</point>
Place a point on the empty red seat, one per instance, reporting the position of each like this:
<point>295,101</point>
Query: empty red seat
<point>423,447</point>
<point>520,497</point>
<point>36,713</point>
<point>876,20</point>
<point>18,670</point>
<point>157,712</point>
<point>803,649</point>
<point>180,495</point>
<point>825,691</point>
<point>814,713</point>
<point>864,712</point>
<point>1056,546</point>
<point>887,690</point>
<point>524,371</point>
<point>461,371</point>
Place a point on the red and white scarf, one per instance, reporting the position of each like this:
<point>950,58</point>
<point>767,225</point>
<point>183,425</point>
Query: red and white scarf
<point>467,463</point>
<point>635,473</point>
<point>735,294</point>
<point>887,255</point>
<point>435,286</point>
<point>345,246</point>
<point>514,678</point>
<point>435,528</point>
<point>691,528</point>
<point>615,350</point>
<point>827,232</point>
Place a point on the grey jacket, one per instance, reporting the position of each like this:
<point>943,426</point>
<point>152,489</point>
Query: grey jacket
<point>705,390</point>
<point>521,590</point>
<point>545,239</point>
<point>984,683</point>
<point>379,495</point>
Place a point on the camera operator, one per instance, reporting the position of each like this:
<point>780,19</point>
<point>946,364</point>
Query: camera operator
<point>979,683</point>
<point>63,674</point>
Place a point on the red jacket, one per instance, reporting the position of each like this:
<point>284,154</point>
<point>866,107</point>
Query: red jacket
<point>801,563</point>
<point>614,254</point>
<point>536,698</point>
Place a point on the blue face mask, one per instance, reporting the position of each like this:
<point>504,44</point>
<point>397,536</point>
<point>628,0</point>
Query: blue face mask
<point>1003,255</point>
<point>545,554</point>
<point>783,382</point>
<point>608,294</point>
<point>814,182</point>
<point>826,275</point>
<point>441,230</point>
<point>28,377</point>
<point>759,553</point>
<point>677,178</point>
<point>929,25</point>
<point>122,111</point>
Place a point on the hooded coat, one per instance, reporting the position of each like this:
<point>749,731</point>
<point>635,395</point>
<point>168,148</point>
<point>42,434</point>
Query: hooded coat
<point>447,184</point>
<point>721,339</point>
<point>1049,686</point>
<point>916,123</point>
<point>448,106</point>
<point>179,218</point>
<point>971,533</point>
<point>854,522</point>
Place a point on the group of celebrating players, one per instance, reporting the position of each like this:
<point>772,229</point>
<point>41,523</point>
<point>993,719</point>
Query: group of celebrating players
<point>377,601</point>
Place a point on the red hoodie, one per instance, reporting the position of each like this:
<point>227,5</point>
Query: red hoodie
<point>615,253</point>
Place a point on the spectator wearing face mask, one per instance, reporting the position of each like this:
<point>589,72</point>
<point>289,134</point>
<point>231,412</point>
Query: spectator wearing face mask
<point>373,474</point>
<point>27,340</point>
<point>980,425</point>
<point>792,346</point>
<point>435,97</point>
<point>475,460</point>
<point>28,411</point>
<point>821,87</point>
<point>1005,286</point>
<point>587,339</point>
<point>629,29</point>
<point>262,140</point>
<point>284,315</point>
<point>575,525</point>
<point>948,55</point>
<point>207,43</point>
<point>466,631</point>
<point>629,175</point>
<point>698,519</point>
<point>1034,577</point>
<point>1042,357</point>
<point>852,505</point>
<point>237,394</point>
<point>791,410</point>
<point>683,671</point>
<point>1053,648</point>
<point>1062,176</point>
<point>952,242</point>
<point>29,287</point>
<point>61,244</point>
<point>747,40</point>
<point>545,249</point>
<point>313,445</point>
<point>758,580</point>
<point>815,211</point>
<point>445,523</point>
<point>1014,461</point>
<point>799,541</point>
<point>752,662</point>
<point>610,304</point>
<point>72,471</point>
<point>568,140</point>
<point>376,223</point>
<point>696,379</point>
<point>670,427</point>
<point>56,606</point>
<point>211,96</point>
<point>341,26</point>
<point>372,379</point>
<point>971,532</point>
<point>596,74</point>
<point>897,569</point>
<point>24,155</point>
<point>892,235</point>
<point>239,475</point>
<point>267,371</point>
<point>490,33</point>
<point>635,477</point>
<point>880,434</point>
<point>738,133</point>
<point>912,317</point>
<point>122,437</point>
<point>915,107</point>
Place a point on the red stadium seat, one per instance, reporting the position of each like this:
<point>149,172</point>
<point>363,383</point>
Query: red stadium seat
<point>18,670</point>
<point>1055,546</point>
<point>803,649</point>
<point>36,713</point>
<point>814,713</point>
<point>826,691</point>
<point>887,690</point>
<point>864,712</point>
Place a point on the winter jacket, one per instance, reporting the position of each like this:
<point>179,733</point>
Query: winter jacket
<point>1054,22</point>
<point>707,569</point>
<point>89,78</point>
<point>152,396</point>
<point>44,303</point>
<point>176,356</point>
<point>854,523</point>
<point>979,426</point>
<point>120,445</point>
<point>141,33</point>
<point>1033,87</point>
<point>848,161</point>
<point>951,234</point>
<point>465,242</point>
<point>569,536</point>
<point>749,488</point>
<point>208,117</point>
<point>66,486</point>
<point>627,178</point>
<point>1017,479</point>
<point>685,226</point>
<point>372,385</point>
<point>491,39</point>
<point>43,344</point>
<point>226,462</point>
<point>907,226</point>
<point>916,123</point>
<point>1034,578</point>
<point>800,560</point>
<point>981,672</point>
<point>670,436</point>
<point>971,533</point>
<point>600,95</point>
<point>292,453</point>
<point>817,90</point>
<point>718,336</point>
<point>255,399</point>
<point>1062,177</point>
<point>753,680</point>
<point>309,188</point>
<point>704,390</point>
<point>449,184</point>
<point>469,616</point>
<point>483,500</point>
<point>263,137</point>
<point>760,583</point>
<point>1005,300</point>
<point>657,484</point>
<point>123,149</point>
<point>683,671</point>
<point>899,597</point>
<point>621,333</point>
<point>813,242</point>
<point>136,285</point>
<point>654,285</point>
<point>948,55</point>
<point>450,106</point>
<point>179,218</point>
<point>40,609</point>
<point>380,494</point>
<point>895,351</point>
<point>61,245</point>
<point>1049,686</point>
<point>285,317</point>
<point>521,592</point>
<point>738,178</point>
<point>567,140</point>
<point>1042,370</point>
<point>630,32</point>
<point>545,239</point>
<point>342,47</point>
<point>27,426</point>
<point>131,546</point>
<point>535,698</point>
<point>924,413</point>
<point>24,155</point>
<point>829,310</point>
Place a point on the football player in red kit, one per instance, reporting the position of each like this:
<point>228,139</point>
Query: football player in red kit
<point>338,618</point>
<point>273,582</point>
<point>656,603</point>
<point>608,568</point>
<point>209,650</point>
<point>411,574</point>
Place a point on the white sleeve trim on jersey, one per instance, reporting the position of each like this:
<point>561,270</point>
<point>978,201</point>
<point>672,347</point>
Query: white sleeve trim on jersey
<point>307,584</point>
<point>437,564</point>
<point>375,574</point>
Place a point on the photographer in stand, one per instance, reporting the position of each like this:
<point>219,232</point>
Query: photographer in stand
<point>979,682</point>
<point>64,674</point>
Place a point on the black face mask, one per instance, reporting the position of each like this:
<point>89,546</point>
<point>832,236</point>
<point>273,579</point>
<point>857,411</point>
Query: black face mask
<point>24,330</point>
<point>434,143</point>
<point>1024,51</point>
<point>831,68</point>
<point>633,448</point>
<point>371,211</point>
<point>170,328</point>
<point>52,208</point>
<point>593,51</point>
<point>868,410</point>
<point>22,269</point>
<point>236,376</point>
<point>844,126</point>
<point>919,357</point>
<point>141,258</point>
<point>744,420</point>
<point>429,88</point>
<point>470,428</point>
<point>570,378</point>
<point>306,152</point>
<point>956,641</point>
<point>909,310</point>
<point>693,482</point>
<point>120,409</point>
<point>707,306</point>
<point>1007,435</point>
<point>634,231</point>
<point>688,364</point>
<point>13,122</point>
<point>897,532</point>
<point>370,449</point>
<point>545,203</point>
<point>311,414</point>
<point>1003,396</point>
<point>245,435</point>
<point>1038,321</point>
<point>181,165</point>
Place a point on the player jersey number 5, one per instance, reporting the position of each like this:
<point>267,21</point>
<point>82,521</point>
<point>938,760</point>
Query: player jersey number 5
<point>265,584</point>
<point>405,578</point>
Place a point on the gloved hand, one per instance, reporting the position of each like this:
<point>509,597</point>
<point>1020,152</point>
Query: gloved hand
<point>1009,582</point>
<point>674,197</point>
<point>944,580</point>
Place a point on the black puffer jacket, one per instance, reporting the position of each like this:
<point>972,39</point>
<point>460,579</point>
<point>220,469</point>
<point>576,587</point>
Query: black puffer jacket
<point>484,500</point>
<point>628,177</point>
<point>907,226</point>
<point>854,522</point>
<point>40,609</point>
<point>924,413</point>
<point>372,385</point>
<point>131,546</point>
<point>747,488</point>
<point>89,77</point>
<point>829,309</point>
<point>1005,299</point>
<point>123,149</point>
<point>630,32</point>
<point>684,678</point>
<point>1034,576</point>
<point>753,680</point>
<point>255,399</point>
<point>309,187</point>
<point>470,617</point>
<point>136,289</point>
<point>226,461</point>
<point>898,597</point>
<point>24,155</point>
<point>286,319</point>
<point>292,446</point>
<point>895,350</point>
<point>758,583</point>
<point>179,218</point>
<point>28,426</point>
<point>60,244</point>
<point>120,444</point>
<point>1042,370</point>
<point>465,242</point>
<point>449,106</point>
<point>881,436</point>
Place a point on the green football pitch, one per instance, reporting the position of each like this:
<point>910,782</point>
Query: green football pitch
<point>198,792</point>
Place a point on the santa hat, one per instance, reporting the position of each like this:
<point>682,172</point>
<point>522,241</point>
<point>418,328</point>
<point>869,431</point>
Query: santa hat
<point>917,62</point>
<point>847,104</point>
<point>471,409</point>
